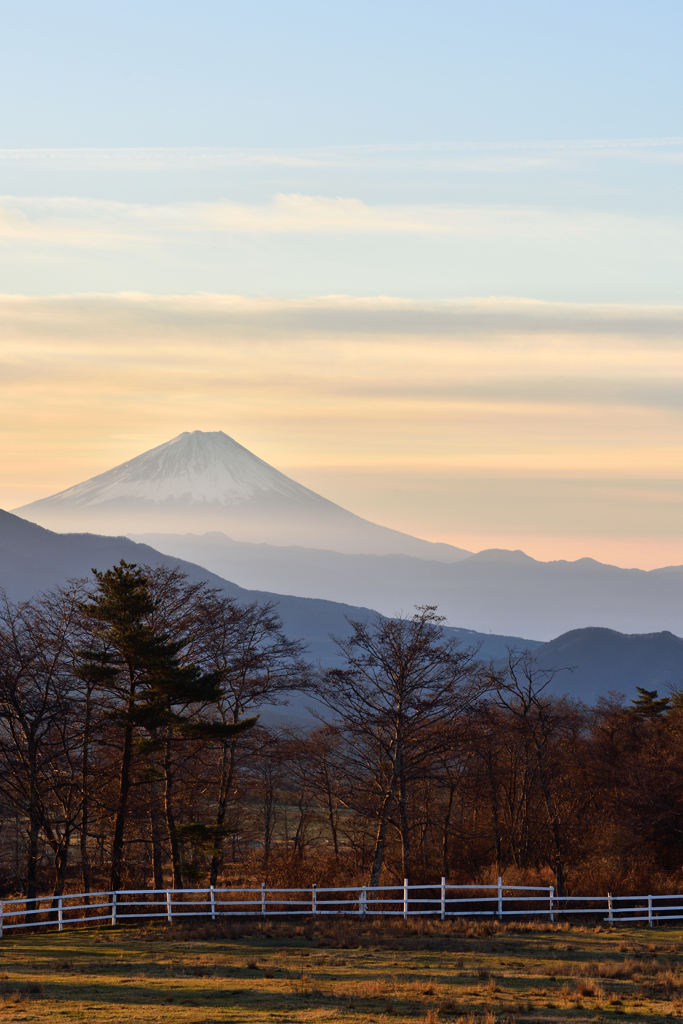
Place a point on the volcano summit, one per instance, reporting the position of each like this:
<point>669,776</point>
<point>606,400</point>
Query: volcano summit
<point>201,482</point>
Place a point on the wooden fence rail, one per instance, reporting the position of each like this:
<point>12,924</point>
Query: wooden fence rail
<point>442,900</point>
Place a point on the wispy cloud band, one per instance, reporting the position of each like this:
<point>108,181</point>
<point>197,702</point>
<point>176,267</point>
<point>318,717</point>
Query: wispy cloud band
<point>102,223</point>
<point>197,157</point>
<point>391,395</point>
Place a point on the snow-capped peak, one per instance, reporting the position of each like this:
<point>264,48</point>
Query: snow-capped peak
<point>196,467</point>
<point>202,482</point>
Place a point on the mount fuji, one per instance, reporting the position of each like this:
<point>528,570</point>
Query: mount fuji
<point>205,481</point>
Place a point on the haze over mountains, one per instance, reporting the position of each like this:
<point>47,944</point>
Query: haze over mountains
<point>33,560</point>
<point>202,481</point>
<point>615,627</point>
<point>601,660</point>
<point>204,498</point>
<point>502,591</point>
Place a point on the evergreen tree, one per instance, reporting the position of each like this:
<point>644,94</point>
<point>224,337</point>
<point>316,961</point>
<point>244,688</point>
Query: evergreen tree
<point>648,704</point>
<point>148,687</point>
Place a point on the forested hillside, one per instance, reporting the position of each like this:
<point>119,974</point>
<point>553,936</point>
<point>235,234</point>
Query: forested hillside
<point>130,753</point>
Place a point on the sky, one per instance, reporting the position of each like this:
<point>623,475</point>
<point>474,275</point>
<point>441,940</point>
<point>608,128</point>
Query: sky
<point>427,258</point>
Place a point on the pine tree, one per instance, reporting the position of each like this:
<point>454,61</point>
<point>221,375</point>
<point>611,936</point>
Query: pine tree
<point>149,689</point>
<point>648,704</point>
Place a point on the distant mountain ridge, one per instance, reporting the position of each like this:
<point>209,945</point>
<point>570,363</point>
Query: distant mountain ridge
<point>506,592</point>
<point>277,540</point>
<point>33,559</point>
<point>201,481</point>
<point>598,661</point>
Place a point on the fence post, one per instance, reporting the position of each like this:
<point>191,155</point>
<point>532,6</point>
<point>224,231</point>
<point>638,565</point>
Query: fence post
<point>552,894</point>
<point>59,914</point>
<point>405,899</point>
<point>610,909</point>
<point>169,906</point>
<point>649,911</point>
<point>113,909</point>
<point>363,903</point>
<point>500,898</point>
<point>2,917</point>
<point>263,899</point>
<point>213,904</point>
<point>314,898</point>
<point>443,899</point>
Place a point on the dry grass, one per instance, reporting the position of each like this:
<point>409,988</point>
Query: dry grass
<point>340,970</point>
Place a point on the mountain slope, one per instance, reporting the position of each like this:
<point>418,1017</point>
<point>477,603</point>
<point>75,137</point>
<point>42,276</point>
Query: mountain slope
<point>600,660</point>
<point>33,559</point>
<point>203,481</point>
<point>504,591</point>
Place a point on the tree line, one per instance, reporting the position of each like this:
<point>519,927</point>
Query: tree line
<point>132,753</point>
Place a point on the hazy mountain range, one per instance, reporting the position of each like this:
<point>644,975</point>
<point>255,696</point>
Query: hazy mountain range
<point>33,559</point>
<point>614,627</point>
<point>596,661</point>
<point>501,591</point>
<point>247,522</point>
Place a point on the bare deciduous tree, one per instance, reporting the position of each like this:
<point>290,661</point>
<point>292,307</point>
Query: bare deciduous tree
<point>403,683</point>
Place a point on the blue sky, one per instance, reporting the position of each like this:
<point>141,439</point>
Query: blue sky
<point>281,74</point>
<point>178,182</point>
<point>525,149</point>
<point>584,221</point>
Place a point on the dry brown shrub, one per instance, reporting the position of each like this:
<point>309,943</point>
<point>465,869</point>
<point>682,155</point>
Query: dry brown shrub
<point>449,1007</point>
<point>20,988</point>
<point>587,989</point>
<point>624,970</point>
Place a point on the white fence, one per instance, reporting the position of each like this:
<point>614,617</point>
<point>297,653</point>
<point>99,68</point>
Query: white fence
<point>442,900</point>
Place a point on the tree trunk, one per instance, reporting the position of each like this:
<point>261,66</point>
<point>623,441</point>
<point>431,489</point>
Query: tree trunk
<point>496,825</point>
<point>32,862</point>
<point>227,775</point>
<point>33,834</point>
<point>156,821</point>
<point>85,794</point>
<point>61,863</point>
<point>176,859</point>
<point>268,821</point>
<point>446,826</point>
<point>554,825</point>
<point>122,805</point>
<point>405,830</point>
<point>380,839</point>
<point>331,812</point>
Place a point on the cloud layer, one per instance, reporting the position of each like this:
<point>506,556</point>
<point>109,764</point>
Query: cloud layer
<point>498,412</point>
<point>592,220</point>
<point>101,224</point>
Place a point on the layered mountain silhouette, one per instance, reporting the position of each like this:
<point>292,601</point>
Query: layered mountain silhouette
<point>506,592</point>
<point>204,498</point>
<point>33,559</point>
<point>203,481</point>
<point>596,661</point>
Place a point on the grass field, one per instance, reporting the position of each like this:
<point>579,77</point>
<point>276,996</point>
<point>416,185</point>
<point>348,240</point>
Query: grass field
<point>342,971</point>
